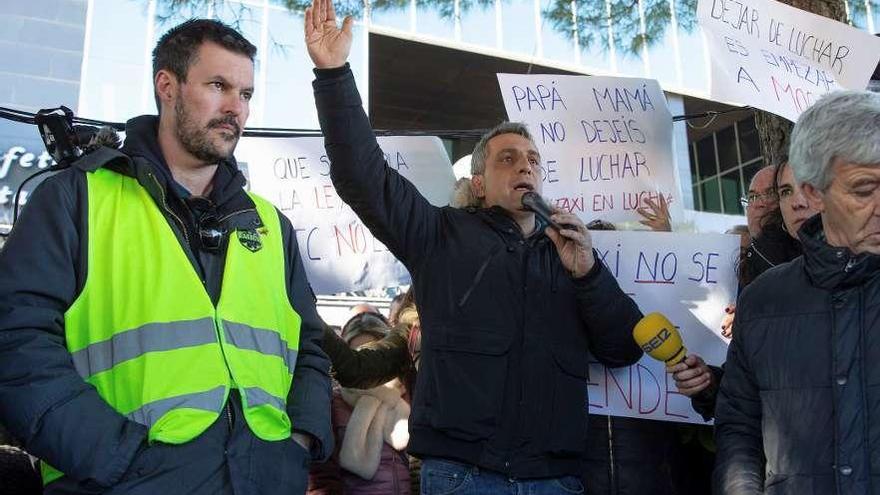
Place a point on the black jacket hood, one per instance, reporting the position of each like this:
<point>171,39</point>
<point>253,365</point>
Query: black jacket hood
<point>141,141</point>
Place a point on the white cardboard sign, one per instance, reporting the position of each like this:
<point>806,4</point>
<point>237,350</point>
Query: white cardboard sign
<point>779,58</point>
<point>605,142</point>
<point>690,278</point>
<point>339,252</point>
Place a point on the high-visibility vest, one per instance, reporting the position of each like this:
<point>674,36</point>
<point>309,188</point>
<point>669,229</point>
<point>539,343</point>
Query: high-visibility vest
<point>146,334</point>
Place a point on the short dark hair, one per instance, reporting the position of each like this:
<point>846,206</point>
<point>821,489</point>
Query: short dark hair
<point>481,150</point>
<point>176,50</point>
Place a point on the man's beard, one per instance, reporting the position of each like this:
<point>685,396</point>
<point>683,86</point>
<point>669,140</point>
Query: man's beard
<point>195,139</point>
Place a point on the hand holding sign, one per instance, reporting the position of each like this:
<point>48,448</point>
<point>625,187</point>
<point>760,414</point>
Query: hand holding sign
<point>656,215</point>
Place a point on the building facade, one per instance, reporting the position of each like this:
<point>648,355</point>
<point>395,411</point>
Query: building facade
<point>94,56</point>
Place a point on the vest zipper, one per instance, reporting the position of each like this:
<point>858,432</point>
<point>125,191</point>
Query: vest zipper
<point>168,210</point>
<point>217,326</point>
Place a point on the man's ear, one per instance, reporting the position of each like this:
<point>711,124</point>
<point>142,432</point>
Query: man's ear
<point>815,198</point>
<point>478,187</point>
<point>167,87</point>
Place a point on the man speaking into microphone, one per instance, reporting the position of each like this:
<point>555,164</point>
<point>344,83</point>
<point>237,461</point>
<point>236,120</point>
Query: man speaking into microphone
<point>508,306</point>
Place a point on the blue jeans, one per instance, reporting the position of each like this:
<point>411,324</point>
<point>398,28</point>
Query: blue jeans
<point>442,477</point>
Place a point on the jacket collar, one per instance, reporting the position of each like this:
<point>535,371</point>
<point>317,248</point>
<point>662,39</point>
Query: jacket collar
<point>149,167</point>
<point>832,267</point>
<point>505,226</point>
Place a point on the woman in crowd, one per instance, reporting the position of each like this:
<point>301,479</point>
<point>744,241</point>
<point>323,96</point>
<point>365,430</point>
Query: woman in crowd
<point>777,244</point>
<point>370,425</point>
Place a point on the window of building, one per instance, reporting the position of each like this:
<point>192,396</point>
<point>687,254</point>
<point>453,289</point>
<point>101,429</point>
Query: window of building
<point>722,164</point>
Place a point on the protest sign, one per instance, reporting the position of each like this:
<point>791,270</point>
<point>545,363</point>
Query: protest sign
<point>779,58</point>
<point>690,278</point>
<point>605,142</point>
<point>339,252</point>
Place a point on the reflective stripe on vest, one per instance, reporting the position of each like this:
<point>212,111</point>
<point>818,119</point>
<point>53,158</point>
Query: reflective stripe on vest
<point>145,333</point>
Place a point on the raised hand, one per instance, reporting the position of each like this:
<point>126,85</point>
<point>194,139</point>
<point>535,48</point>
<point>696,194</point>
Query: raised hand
<point>656,215</point>
<point>328,45</point>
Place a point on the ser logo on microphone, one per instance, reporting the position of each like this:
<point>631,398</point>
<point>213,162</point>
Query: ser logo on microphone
<point>656,341</point>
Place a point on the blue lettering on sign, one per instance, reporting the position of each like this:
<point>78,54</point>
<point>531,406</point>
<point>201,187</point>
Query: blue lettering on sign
<point>538,98</point>
<point>624,99</point>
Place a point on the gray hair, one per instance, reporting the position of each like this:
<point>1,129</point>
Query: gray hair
<point>478,158</point>
<point>842,125</point>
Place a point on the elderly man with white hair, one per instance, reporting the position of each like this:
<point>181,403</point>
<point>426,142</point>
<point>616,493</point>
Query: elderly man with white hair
<point>799,407</point>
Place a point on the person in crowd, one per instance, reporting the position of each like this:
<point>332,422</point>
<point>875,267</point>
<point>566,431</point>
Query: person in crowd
<point>761,237</point>
<point>694,377</point>
<point>623,455</point>
<point>795,408</point>
<point>157,331</point>
<point>774,244</point>
<point>771,245</point>
<point>370,427</point>
<point>631,456</point>
<point>369,365</point>
<point>364,316</point>
<point>507,305</point>
<point>698,380</point>
<point>760,199</point>
<point>394,308</point>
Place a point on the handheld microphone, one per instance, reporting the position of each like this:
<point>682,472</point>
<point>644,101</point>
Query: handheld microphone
<point>533,202</point>
<point>659,338</point>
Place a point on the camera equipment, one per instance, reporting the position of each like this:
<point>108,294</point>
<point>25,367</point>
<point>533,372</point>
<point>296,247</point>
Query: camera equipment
<point>64,142</point>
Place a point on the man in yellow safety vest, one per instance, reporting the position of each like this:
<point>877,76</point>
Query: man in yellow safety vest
<point>157,331</point>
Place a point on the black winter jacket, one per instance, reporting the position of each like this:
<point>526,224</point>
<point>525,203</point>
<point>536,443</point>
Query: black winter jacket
<point>773,247</point>
<point>502,382</point>
<point>62,419</point>
<point>799,404</point>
